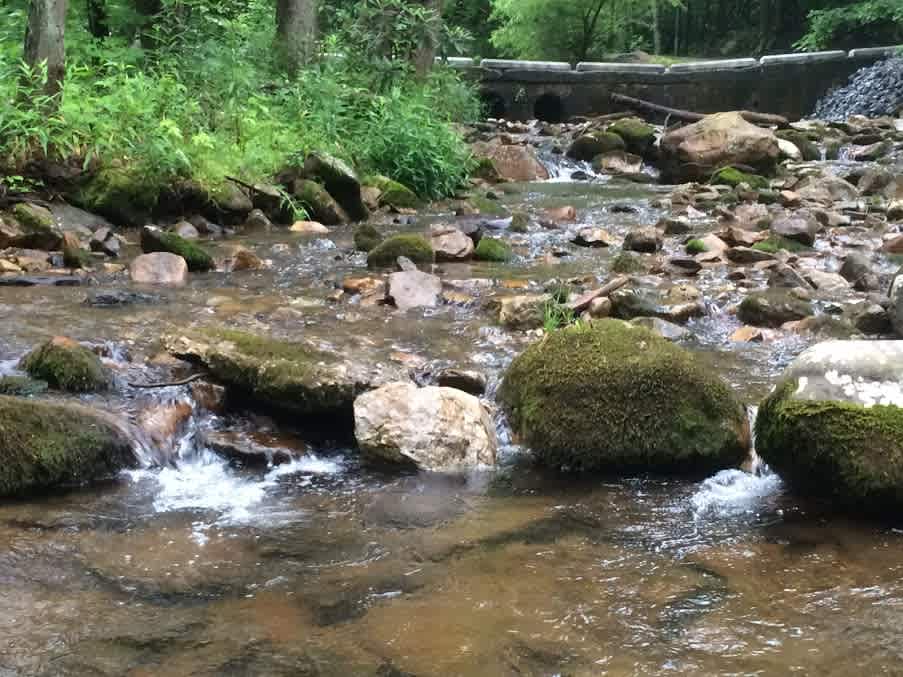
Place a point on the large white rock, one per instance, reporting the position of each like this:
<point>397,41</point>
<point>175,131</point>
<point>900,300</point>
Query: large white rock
<point>159,268</point>
<point>413,289</point>
<point>435,429</point>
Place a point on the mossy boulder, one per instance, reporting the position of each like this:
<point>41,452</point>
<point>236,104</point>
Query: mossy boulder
<point>340,180</point>
<point>696,246</point>
<point>493,249</point>
<point>392,193</point>
<point>122,196</point>
<point>414,247</point>
<point>638,136</point>
<point>731,176</point>
<point>286,376</point>
<point>833,427</point>
<point>320,205</point>
<point>39,229</point>
<point>610,396</point>
<point>367,238</point>
<point>66,365</point>
<point>773,307</point>
<point>155,240</point>
<point>586,147</point>
<point>47,445</point>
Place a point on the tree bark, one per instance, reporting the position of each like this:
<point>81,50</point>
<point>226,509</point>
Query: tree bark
<point>296,31</point>
<point>425,54</point>
<point>45,40</point>
<point>656,29</point>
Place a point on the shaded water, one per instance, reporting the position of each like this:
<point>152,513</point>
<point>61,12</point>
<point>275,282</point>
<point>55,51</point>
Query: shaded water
<point>326,567</point>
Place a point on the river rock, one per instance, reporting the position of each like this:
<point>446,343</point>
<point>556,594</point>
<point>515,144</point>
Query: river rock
<point>618,162</point>
<point>586,147</point>
<point>319,203</point>
<point>896,304</point>
<point>103,240</point>
<point>648,239</point>
<point>39,229</point>
<point>594,237</point>
<point>66,365</point>
<point>613,396</point>
<point>826,188</point>
<point>291,377</point>
<point>827,283</point>
<point>413,289</point>
<point>164,423</point>
<point>48,445</point>
<point>450,244</point>
<point>309,228</point>
<point>747,255</point>
<point>473,382</point>
<point>433,428</point>
<point>241,259</point>
<point>523,312</point>
<point>638,135</point>
<point>632,303</point>
<point>160,268</point>
<point>696,150</point>
<point>340,181</point>
<point>414,247</point>
<point>784,275</point>
<point>833,426</point>
<point>773,308</point>
<point>155,240</point>
<point>513,163</point>
<point>800,227</point>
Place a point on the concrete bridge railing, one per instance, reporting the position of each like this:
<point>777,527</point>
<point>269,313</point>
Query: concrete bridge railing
<point>786,84</point>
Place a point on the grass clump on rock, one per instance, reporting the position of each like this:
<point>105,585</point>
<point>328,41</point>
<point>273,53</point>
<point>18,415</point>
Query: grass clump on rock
<point>492,249</point>
<point>66,365</point>
<point>414,247</point>
<point>609,396</point>
<point>156,240</point>
<point>44,445</point>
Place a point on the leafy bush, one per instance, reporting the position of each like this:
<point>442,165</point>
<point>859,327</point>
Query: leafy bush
<point>864,21</point>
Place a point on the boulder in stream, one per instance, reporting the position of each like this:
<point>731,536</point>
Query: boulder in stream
<point>414,247</point>
<point>159,268</point>
<point>435,429</point>
<point>155,240</point>
<point>287,376</point>
<point>66,365</point>
<point>610,396</point>
<point>513,163</point>
<point>834,424</point>
<point>46,445</point>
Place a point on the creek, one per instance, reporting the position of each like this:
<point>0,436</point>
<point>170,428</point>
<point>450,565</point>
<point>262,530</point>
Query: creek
<point>325,566</point>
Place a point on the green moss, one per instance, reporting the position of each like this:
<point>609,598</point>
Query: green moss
<point>696,246</point>
<point>39,230</point>
<point>156,240</point>
<point>122,196</point>
<point>520,222</point>
<point>282,375</point>
<point>610,396</point>
<point>22,386</point>
<point>639,136</point>
<point>317,201</point>
<point>776,243</point>
<point>492,249</point>
<point>414,247</point>
<point>367,238</point>
<point>44,445</point>
<point>627,263</point>
<point>66,365</point>
<point>731,176</point>
<point>393,194</point>
<point>487,207</point>
<point>847,452</point>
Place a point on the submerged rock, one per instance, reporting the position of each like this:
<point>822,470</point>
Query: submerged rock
<point>47,445</point>
<point>773,308</point>
<point>66,365</point>
<point>291,377</point>
<point>834,425</point>
<point>435,429</point>
<point>612,396</point>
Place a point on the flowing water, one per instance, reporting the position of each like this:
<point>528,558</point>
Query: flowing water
<point>324,566</point>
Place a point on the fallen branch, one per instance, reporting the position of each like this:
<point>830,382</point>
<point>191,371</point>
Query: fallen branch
<point>582,303</point>
<point>689,116</point>
<point>168,384</point>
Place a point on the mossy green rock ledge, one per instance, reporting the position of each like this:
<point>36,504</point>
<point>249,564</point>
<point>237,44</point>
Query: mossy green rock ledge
<point>291,377</point>
<point>47,445</point>
<point>155,240</point>
<point>833,427</point>
<point>66,365</point>
<point>609,396</point>
<point>415,247</point>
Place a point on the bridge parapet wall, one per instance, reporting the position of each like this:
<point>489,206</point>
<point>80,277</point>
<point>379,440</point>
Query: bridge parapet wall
<point>786,84</point>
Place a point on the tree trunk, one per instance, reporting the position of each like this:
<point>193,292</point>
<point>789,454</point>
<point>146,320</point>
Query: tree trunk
<point>425,54</point>
<point>45,40</point>
<point>656,29</point>
<point>296,31</point>
<point>97,19</point>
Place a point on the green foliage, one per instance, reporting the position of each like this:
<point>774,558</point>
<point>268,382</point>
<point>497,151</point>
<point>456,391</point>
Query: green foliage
<point>868,20</point>
<point>195,92</point>
<point>776,243</point>
<point>555,316</point>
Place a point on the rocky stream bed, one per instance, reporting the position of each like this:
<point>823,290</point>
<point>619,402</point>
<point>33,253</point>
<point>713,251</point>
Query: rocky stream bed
<point>331,484</point>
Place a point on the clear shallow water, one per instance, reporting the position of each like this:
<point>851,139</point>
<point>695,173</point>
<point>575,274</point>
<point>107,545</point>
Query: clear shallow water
<point>327,567</point>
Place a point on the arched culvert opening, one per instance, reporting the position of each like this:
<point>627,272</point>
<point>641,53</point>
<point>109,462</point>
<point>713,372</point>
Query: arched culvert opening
<point>549,108</point>
<point>494,105</point>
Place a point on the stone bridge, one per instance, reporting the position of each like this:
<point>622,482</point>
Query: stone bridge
<point>786,84</point>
